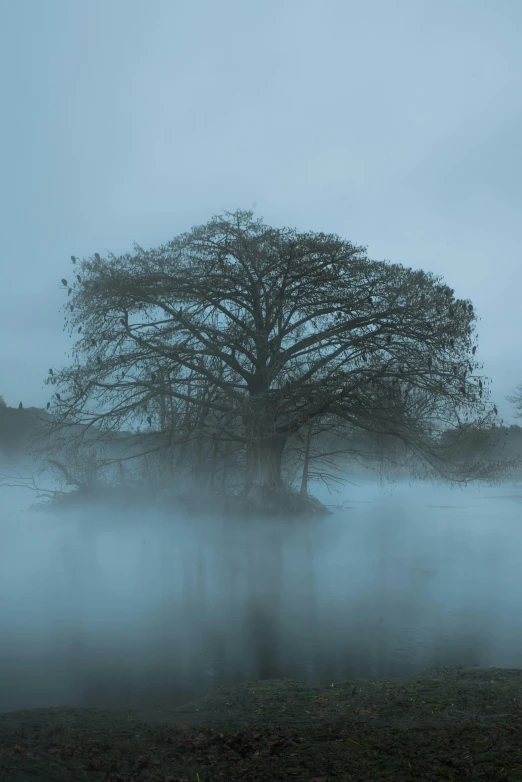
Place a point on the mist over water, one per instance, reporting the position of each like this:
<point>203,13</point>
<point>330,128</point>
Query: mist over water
<point>143,609</point>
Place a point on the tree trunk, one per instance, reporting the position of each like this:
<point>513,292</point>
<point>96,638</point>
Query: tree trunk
<point>213,462</point>
<point>202,416</point>
<point>265,493</point>
<point>263,457</point>
<point>304,480</point>
<point>162,413</point>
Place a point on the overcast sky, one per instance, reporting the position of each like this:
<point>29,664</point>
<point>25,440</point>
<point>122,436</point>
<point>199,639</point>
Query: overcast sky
<point>396,124</point>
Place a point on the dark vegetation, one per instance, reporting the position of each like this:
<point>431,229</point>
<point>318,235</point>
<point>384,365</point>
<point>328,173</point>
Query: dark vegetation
<point>441,724</point>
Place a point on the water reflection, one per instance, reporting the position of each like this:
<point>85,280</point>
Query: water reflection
<point>127,611</point>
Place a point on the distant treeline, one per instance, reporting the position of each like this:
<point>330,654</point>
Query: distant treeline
<point>18,424</point>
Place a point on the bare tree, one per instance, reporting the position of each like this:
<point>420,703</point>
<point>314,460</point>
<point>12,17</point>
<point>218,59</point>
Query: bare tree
<point>516,400</point>
<point>252,333</point>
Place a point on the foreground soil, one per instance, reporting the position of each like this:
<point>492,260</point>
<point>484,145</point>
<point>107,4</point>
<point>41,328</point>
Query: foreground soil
<point>440,724</point>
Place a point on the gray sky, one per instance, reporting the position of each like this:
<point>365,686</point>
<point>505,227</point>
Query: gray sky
<point>396,124</point>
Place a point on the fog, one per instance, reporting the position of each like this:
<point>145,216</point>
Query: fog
<point>396,126</point>
<point>147,610</point>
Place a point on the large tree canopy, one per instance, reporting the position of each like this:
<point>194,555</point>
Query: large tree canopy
<point>264,330</point>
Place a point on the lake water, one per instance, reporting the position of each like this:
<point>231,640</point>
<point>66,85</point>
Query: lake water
<point>135,609</point>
